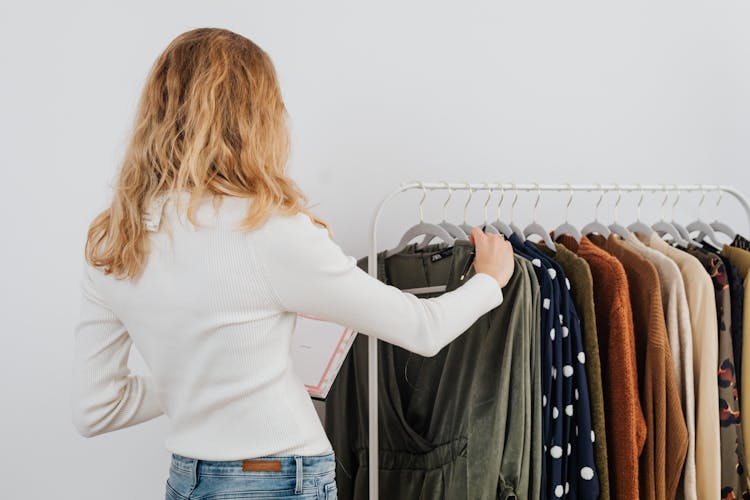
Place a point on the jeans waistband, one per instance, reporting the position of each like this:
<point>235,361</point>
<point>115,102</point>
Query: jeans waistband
<point>272,465</point>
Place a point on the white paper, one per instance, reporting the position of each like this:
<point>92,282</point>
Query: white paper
<point>318,350</point>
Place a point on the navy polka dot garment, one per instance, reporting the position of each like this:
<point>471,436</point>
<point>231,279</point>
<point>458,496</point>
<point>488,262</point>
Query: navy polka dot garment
<point>568,469</point>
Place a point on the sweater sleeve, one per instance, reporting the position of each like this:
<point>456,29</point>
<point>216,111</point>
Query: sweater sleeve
<point>105,396</point>
<point>311,274</point>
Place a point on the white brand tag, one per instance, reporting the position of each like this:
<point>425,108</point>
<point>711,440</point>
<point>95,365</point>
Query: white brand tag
<point>152,217</point>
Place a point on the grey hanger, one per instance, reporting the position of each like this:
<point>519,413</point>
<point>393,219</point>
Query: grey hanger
<point>663,227</point>
<point>422,228</point>
<point>596,226</point>
<point>535,228</point>
<point>719,226</point>
<point>488,228</point>
<point>465,225</point>
<point>639,226</point>
<point>615,227</point>
<point>516,230</point>
<point>452,229</point>
<point>566,227</point>
<point>498,224</point>
<point>701,227</point>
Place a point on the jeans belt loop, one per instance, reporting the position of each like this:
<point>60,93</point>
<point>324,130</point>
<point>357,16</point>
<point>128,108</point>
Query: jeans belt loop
<point>298,470</point>
<point>195,473</point>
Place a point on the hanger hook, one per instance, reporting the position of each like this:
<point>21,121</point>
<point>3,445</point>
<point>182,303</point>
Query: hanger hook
<point>664,201</point>
<point>468,200</point>
<point>617,202</point>
<point>598,202</point>
<point>676,199</point>
<point>570,200</point>
<point>538,197</point>
<point>445,205</point>
<point>513,203</point>
<point>640,202</point>
<point>502,197</point>
<point>720,194</point>
<point>700,203</point>
<point>487,201</point>
<point>424,195</point>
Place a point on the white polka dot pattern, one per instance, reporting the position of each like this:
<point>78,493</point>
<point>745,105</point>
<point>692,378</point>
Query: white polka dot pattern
<point>587,473</point>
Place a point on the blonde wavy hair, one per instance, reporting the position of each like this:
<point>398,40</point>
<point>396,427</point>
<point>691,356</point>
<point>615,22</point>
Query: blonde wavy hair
<point>210,120</point>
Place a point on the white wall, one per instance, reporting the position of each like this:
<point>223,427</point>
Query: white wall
<point>379,93</point>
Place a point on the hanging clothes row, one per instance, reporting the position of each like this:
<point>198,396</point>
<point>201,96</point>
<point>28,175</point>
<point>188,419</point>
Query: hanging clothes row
<point>612,369</point>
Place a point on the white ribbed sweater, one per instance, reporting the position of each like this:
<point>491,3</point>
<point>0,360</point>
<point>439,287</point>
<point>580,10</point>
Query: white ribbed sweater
<point>213,314</point>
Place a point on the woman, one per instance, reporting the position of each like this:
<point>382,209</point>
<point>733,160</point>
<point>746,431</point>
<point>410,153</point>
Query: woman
<point>210,302</point>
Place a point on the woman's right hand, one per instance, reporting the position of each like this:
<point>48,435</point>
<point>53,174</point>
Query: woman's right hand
<point>494,255</point>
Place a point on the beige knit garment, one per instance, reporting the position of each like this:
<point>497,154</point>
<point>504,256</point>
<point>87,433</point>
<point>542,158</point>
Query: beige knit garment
<point>702,310</point>
<point>677,316</point>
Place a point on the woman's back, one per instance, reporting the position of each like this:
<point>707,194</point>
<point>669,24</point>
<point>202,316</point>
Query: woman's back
<point>207,322</point>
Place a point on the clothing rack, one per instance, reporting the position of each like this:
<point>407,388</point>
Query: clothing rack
<point>372,352</point>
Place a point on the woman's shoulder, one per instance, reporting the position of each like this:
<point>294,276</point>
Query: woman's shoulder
<point>298,225</point>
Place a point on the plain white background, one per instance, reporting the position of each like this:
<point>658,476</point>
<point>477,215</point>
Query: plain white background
<point>378,94</point>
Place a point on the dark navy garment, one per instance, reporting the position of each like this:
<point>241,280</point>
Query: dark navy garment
<point>741,242</point>
<point>568,466</point>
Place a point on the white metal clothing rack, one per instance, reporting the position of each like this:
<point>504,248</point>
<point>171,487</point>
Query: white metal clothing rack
<point>372,367</point>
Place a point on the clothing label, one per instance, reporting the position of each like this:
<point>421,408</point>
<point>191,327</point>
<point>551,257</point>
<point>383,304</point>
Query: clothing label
<point>262,465</point>
<point>152,217</point>
<point>443,253</point>
<point>318,350</point>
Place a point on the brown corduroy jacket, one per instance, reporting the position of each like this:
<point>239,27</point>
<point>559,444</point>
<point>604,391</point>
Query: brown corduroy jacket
<point>660,465</point>
<point>625,424</point>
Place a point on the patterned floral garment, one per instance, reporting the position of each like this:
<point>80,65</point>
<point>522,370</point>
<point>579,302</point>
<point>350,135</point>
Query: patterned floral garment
<point>733,471</point>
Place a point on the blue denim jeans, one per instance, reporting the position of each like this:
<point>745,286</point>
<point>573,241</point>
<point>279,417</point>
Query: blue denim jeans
<point>272,477</point>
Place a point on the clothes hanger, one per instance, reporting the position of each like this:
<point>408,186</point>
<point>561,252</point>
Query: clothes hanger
<point>596,226</point>
<point>535,228</point>
<point>452,229</point>
<point>615,227</point>
<point>422,228</point>
<point>718,226</point>
<point>516,230</point>
<point>488,228</point>
<point>501,226</point>
<point>684,233</point>
<point>566,227</point>
<point>703,229</point>
<point>638,226</point>
<point>465,226</point>
<point>662,227</point>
